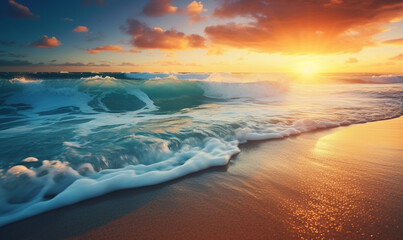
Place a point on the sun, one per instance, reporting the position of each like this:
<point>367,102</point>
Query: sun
<point>308,69</point>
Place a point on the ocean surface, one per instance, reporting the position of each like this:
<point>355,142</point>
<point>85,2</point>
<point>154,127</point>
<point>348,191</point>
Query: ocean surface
<point>66,137</point>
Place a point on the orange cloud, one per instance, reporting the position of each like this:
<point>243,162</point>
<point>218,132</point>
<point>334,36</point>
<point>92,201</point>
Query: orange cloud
<point>303,27</point>
<point>194,9</point>
<point>46,42</point>
<point>108,48</point>
<point>397,57</point>
<point>20,11</point>
<point>398,41</point>
<point>144,37</point>
<point>159,8</point>
<point>80,29</point>
<point>128,64</point>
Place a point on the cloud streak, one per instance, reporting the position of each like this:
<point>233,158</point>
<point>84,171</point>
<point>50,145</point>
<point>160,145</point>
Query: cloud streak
<point>397,57</point>
<point>398,41</point>
<point>14,63</point>
<point>98,2</point>
<point>107,48</point>
<point>20,11</point>
<point>12,54</point>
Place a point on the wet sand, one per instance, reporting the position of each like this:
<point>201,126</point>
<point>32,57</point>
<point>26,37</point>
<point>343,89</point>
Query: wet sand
<point>344,183</point>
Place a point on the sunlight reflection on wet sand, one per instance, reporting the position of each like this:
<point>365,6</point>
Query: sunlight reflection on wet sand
<point>338,184</point>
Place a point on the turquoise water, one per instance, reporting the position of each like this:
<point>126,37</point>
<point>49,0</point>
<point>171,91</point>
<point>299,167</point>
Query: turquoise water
<point>69,137</point>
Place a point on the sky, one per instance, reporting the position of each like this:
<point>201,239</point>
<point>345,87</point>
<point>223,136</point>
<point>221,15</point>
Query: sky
<point>202,36</point>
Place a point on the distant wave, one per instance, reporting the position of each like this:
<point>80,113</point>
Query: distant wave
<point>377,79</point>
<point>24,80</point>
<point>210,77</point>
<point>179,76</point>
<point>97,77</point>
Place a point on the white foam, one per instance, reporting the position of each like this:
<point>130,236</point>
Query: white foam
<point>29,187</point>
<point>278,132</point>
<point>97,77</point>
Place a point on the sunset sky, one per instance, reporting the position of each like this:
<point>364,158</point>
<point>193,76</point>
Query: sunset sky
<point>202,36</point>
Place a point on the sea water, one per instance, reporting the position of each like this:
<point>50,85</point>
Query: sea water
<point>66,137</point>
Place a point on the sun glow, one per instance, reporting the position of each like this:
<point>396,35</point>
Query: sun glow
<point>308,69</point>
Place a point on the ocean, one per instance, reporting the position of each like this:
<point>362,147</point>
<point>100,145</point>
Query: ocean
<point>67,137</point>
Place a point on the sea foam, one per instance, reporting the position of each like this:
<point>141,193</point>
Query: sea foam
<point>27,192</point>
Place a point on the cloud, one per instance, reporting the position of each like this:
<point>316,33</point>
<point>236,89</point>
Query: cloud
<point>80,29</point>
<point>14,63</point>
<point>12,54</point>
<point>194,9</point>
<point>67,19</point>
<point>8,43</point>
<point>397,57</point>
<point>144,37</point>
<point>398,41</point>
<point>52,63</point>
<point>20,11</point>
<point>133,50</point>
<point>98,2</point>
<point>107,48</point>
<point>303,27</point>
<point>352,60</point>
<point>46,42</point>
<point>157,8</point>
<point>129,64</point>
<point>81,64</point>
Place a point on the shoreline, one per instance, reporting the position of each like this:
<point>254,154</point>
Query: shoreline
<point>301,186</point>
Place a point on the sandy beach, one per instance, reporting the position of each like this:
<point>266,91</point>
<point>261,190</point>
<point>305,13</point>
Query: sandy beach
<point>343,183</point>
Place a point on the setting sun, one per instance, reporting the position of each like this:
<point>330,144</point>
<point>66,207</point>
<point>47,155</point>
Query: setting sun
<point>308,69</point>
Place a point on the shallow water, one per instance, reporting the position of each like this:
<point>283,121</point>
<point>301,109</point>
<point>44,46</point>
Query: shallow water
<point>69,137</point>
